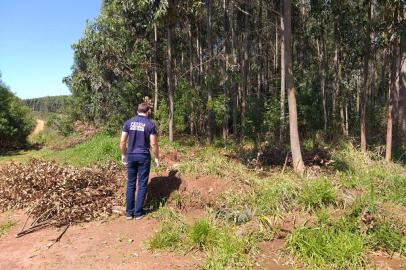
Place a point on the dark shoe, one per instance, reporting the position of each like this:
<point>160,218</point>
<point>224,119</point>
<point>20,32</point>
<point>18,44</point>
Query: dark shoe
<point>140,217</point>
<point>129,217</point>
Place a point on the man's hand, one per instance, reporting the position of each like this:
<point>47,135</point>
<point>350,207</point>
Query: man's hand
<point>156,162</point>
<point>124,160</point>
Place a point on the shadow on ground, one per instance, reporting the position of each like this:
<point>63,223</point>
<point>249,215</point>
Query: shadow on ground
<point>16,151</point>
<point>160,188</point>
<point>275,156</point>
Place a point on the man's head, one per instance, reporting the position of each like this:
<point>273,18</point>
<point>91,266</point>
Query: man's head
<point>143,108</point>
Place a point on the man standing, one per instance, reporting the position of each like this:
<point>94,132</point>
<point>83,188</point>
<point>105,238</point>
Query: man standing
<point>141,135</point>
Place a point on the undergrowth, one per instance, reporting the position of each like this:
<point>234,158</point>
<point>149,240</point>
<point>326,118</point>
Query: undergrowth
<point>223,248</point>
<point>324,247</point>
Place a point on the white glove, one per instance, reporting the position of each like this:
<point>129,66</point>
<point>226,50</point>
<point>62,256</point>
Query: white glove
<point>156,162</point>
<point>124,160</point>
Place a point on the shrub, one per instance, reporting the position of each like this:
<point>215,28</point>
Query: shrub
<point>60,123</point>
<point>16,122</point>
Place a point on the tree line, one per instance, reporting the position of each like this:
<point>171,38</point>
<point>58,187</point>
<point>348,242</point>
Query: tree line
<point>49,104</point>
<point>16,122</point>
<point>275,70</point>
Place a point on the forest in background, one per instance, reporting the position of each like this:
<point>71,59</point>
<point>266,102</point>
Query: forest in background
<point>262,70</point>
<point>49,104</point>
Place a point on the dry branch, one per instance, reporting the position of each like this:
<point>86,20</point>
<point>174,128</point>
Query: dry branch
<point>58,195</point>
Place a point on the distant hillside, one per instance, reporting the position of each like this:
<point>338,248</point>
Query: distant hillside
<point>48,104</point>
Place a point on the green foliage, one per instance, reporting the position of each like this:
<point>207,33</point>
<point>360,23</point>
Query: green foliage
<point>316,193</point>
<point>325,247</point>
<point>189,107</point>
<point>16,122</point>
<point>60,123</point>
<point>108,77</point>
<point>271,114</point>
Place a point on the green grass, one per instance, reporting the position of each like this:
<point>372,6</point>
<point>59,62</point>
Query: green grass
<point>317,193</point>
<point>168,237</point>
<point>201,233</point>
<point>325,247</point>
<point>230,251</point>
<point>100,148</point>
<point>276,197</point>
<point>224,249</point>
<point>387,235</point>
<point>5,227</point>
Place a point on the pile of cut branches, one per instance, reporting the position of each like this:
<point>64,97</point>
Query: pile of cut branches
<point>58,195</point>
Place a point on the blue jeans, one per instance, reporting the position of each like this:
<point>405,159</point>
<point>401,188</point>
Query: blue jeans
<point>138,165</point>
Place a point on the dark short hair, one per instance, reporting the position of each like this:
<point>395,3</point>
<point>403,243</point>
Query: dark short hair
<point>143,108</point>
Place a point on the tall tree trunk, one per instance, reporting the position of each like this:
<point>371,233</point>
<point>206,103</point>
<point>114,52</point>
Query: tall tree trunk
<point>234,87</point>
<point>210,118</point>
<point>260,70</point>
<point>298,164</point>
<point>226,67</point>
<point>155,68</point>
<point>402,88</point>
<point>191,81</point>
<point>322,67</point>
<point>346,119</point>
<point>336,88</point>
<point>365,83</point>
<point>393,99</point>
<point>169,69</point>
<point>283,85</point>
<point>244,70</point>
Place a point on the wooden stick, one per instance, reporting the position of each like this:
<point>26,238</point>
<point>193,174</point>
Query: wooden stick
<point>34,228</point>
<point>59,237</point>
<point>29,214</point>
<point>25,223</point>
<point>41,216</point>
<point>286,161</point>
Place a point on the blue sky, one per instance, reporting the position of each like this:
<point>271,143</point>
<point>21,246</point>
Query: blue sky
<point>35,43</point>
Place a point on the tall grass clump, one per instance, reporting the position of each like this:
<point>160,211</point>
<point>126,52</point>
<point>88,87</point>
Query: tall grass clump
<point>224,249</point>
<point>202,234</point>
<point>168,237</point>
<point>317,193</point>
<point>272,198</point>
<point>230,251</point>
<point>388,235</point>
<point>326,247</point>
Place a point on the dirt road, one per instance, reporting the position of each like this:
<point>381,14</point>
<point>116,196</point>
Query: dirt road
<point>39,127</point>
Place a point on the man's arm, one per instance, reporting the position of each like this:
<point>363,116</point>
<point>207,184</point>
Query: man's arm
<point>155,149</point>
<point>123,146</point>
